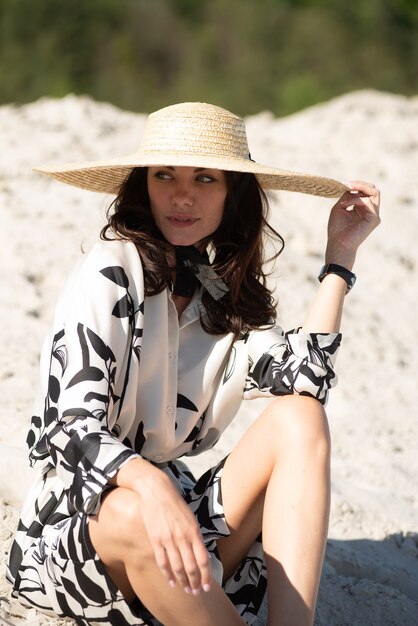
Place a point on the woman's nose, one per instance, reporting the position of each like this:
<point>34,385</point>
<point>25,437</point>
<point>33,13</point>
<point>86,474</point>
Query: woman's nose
<point>182,195</point>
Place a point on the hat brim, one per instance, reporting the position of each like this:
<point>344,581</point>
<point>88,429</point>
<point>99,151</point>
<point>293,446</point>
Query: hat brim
<point>108,176</point>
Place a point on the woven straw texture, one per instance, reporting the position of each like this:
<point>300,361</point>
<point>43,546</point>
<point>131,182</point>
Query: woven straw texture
<point>190,134</point>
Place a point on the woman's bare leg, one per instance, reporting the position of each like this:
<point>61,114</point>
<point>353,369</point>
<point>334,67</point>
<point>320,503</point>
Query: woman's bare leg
<point>120,539</point>
<point>277,478</point>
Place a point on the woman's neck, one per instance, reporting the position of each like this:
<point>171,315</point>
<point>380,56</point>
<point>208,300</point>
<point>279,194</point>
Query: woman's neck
<point>180,302</point>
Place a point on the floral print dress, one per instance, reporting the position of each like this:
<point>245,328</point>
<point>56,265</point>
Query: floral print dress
<point>122,377</point>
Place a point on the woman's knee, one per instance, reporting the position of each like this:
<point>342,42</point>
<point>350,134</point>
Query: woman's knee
<point>299,422</point>
<point>118,528</point>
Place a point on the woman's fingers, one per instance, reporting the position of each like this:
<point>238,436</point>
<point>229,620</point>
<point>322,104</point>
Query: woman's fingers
<point>203,563</point>
<point>187,565</point>
<point>362,190</point>
<point>178,566</point>
<point>361,185</point>
<point>163,562</point>
<point>174,534</point>
<point>189,575</point>
<point>354,216</point>
<point>194,572</point>
<point>184,560</point>
<point>363,196</point>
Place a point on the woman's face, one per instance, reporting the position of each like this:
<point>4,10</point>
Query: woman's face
<point>187,203</point>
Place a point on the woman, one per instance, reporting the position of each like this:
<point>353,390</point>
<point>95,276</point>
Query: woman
<point>161,330</point>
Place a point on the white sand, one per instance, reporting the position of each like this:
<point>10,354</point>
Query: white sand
<point>371,570</point>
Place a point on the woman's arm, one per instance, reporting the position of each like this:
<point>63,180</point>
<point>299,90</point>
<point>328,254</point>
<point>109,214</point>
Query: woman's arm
<point>303,361</point>
<point>172,528</point>
<point>85,371</point>
<point>352,219</point>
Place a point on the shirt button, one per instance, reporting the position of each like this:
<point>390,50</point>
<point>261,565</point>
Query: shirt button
<point>171,356</point>
<point>158,457</point>
<point>170,410</point>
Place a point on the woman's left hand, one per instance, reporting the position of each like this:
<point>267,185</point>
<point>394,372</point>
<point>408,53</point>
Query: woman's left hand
<point>352,219</point>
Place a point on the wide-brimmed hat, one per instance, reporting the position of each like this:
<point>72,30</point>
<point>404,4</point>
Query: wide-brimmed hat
<point>191,134</point>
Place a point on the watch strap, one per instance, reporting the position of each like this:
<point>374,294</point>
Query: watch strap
<point>343,272</point>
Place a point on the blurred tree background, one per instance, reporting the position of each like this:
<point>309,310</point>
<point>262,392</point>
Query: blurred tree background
<point>247,55</point>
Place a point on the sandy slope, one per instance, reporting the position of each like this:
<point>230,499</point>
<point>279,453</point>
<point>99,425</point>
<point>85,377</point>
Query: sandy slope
<point>371,571</point>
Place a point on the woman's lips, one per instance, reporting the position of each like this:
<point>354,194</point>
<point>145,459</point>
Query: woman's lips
<point>182,221</point>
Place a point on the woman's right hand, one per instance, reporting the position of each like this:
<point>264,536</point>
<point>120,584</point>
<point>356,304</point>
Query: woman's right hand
<point>353,217</point>
<point>171,526</point>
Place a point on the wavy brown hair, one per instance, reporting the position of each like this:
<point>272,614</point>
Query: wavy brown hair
<point>237,244</point>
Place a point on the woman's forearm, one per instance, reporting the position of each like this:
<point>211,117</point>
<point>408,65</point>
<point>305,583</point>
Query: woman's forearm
<point>325,313</point>
<point>352,219</point>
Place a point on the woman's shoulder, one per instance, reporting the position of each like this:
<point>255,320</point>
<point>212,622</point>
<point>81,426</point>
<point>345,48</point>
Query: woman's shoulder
<point>107,270</point>
<point>111,253</point>
<point>113,250</point>
<point>115,260</point>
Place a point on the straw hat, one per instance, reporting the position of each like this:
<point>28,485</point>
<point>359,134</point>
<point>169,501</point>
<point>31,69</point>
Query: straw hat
<point>191,134</point>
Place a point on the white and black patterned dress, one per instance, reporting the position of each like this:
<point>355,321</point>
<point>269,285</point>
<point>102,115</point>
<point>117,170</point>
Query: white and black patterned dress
<point>122,377</point>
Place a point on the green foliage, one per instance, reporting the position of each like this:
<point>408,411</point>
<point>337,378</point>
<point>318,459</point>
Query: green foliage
<point>247,55</point>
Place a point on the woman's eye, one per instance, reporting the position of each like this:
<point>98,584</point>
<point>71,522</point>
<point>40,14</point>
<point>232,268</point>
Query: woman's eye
<point>201,178</point>
<point>163,175</point>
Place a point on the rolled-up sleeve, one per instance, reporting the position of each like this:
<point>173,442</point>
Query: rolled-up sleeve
<point>291,363</point>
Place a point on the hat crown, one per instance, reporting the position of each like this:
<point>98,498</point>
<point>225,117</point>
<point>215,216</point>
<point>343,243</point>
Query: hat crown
<point>195,128</point>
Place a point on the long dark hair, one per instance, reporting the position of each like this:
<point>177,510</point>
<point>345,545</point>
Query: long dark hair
<point>238,250</point>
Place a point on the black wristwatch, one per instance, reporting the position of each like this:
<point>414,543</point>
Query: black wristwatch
<point>332,268</point>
